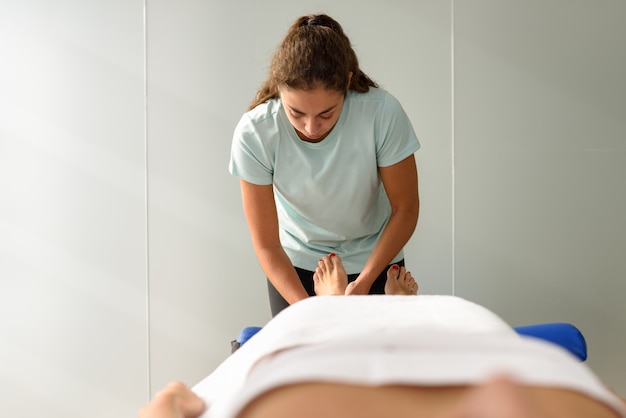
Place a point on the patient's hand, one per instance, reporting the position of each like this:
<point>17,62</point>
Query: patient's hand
<point>175,401</point>
<point>330,277</point>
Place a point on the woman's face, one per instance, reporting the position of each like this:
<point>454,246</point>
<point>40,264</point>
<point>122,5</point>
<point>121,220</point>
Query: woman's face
<point>314,112</point>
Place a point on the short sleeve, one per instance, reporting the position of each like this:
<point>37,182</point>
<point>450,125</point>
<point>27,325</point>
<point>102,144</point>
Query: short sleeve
<point>250,159</point>
<point>396,138</point>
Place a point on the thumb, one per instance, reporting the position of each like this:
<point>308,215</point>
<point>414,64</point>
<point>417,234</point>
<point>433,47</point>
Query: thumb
<point>350,288</point>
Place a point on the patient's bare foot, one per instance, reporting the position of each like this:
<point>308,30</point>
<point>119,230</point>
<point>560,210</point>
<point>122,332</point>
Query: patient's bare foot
<point>400,282</point>
<point>330,278</point>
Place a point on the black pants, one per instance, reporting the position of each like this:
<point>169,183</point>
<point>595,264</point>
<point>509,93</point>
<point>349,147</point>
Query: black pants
<point>278,303</point>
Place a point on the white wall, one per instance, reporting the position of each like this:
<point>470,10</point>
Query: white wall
<point>540,157</point>
<point>73,321</point>
<point>125,260</point>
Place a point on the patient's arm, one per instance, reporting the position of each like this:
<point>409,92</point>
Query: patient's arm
<point>175,401</point>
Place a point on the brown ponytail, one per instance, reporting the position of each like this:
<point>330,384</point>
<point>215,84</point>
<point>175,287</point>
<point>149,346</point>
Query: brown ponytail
<point>315,52</point>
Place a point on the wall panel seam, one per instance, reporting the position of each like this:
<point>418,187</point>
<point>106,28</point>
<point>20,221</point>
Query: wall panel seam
<point>146,200</point>
<point>452,147</point>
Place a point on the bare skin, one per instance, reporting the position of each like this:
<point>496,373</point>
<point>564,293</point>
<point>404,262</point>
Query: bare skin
<point>175,401</point>
<point>499,397</point>
<point>400,282</point>
<point>313,113</point>
<point>330,278</point>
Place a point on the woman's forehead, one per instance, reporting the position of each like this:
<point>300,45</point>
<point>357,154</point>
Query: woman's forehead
<point>311,100</point>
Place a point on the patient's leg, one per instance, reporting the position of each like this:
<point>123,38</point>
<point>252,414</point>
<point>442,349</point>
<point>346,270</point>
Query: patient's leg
<point>330,278</point>
<point>400,282</point>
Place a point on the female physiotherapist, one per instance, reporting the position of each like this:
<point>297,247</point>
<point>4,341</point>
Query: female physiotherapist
<point>326,165</point>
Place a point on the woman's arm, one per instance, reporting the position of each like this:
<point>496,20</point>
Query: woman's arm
<point>400,182</point>
<point>260,210</point>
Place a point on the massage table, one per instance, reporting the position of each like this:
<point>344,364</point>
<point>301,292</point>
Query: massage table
<point>563,334</point>
<point>439,329</point>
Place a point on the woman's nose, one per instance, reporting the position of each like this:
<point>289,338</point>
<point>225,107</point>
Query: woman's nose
<point>311,127</point>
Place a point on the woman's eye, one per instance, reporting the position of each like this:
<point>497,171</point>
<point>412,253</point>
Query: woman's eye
<point>299,115</point>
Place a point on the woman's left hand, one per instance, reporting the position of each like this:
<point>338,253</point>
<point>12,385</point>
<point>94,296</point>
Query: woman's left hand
<point>357,288</point>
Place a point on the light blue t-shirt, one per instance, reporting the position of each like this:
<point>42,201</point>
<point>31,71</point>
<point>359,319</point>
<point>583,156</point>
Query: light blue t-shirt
<point>329,195</point>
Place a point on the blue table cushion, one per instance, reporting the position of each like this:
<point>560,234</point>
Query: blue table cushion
<point>563,334</point>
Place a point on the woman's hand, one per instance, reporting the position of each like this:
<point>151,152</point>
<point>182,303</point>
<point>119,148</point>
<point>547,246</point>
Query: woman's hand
<point>357,288</point>
<point>175,401</point>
